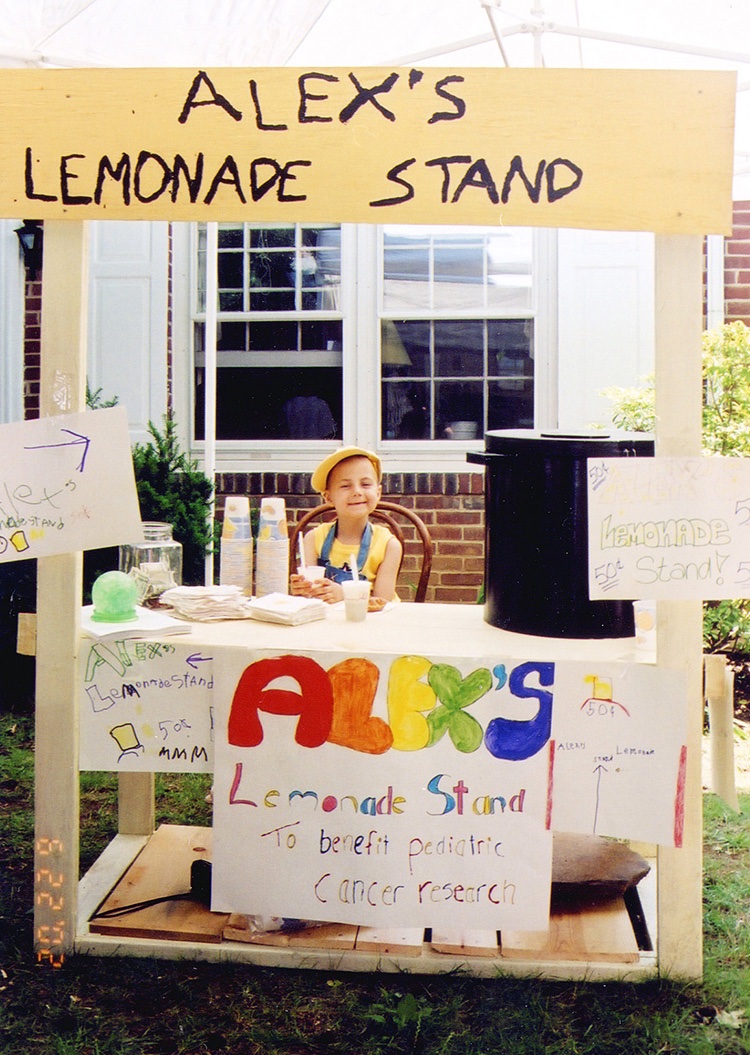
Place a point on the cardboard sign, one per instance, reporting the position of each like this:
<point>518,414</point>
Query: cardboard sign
<point>551,148</point>
<point>663,528</point>
<point>67,484</point>
<point>406,790</point>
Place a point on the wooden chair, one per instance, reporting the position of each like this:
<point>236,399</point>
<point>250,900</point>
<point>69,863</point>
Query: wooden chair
<point>384,511</point>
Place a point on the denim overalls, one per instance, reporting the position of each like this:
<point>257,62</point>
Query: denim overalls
<point>339,574</point>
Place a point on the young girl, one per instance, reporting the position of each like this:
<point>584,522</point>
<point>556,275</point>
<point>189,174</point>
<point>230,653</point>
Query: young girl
<point>350,480</point>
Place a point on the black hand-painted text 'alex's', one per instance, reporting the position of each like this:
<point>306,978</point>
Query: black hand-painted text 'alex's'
<point>311,102</point>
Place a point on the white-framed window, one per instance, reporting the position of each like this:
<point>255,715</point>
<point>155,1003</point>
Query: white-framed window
<point>412,341</point>
<point>280,333</point>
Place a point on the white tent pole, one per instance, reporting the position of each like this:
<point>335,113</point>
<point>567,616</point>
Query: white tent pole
<point>209,380</point>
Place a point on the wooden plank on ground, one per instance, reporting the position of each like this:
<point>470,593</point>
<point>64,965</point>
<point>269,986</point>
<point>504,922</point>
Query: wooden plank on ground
<point>160,870</point>
<point>325,936</point>
<point>408,941</point>
<point>601,932</point>
<point>465,942</point>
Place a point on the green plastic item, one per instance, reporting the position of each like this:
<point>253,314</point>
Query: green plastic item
<point>114,595</point>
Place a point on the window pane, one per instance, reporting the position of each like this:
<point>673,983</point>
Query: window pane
<point>459,349</point>
<point>458,410</point>
<point>230,236</point>
<point>230,270</point>
<point>510,348</point>
<point>405,348</point>
<point>406,410</point>
<point>277,378</point>
<point>232,337</point>
<point>273,404</point>
<point>463,358</point>
<point>510,404</point>
<point>271,237</point>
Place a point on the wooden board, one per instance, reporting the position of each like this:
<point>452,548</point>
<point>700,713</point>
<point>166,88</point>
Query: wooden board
<point>465,942</point>
<point>161,869</point>
<point>601,932</point>
<point>578,931</point>
<point>391,941</point>
<point>326,936</point>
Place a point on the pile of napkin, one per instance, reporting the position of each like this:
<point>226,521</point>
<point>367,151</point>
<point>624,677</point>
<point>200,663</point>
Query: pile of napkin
<point>205,604</point>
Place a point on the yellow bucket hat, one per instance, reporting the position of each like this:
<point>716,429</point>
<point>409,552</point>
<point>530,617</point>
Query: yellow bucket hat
<point>319,478</point>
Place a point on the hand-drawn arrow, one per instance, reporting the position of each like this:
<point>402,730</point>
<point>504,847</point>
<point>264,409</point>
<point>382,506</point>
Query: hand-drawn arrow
<point>68,443</point>
<point>195,659</point>
<point>598,770</point>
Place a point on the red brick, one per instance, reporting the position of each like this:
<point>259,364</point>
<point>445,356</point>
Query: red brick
<point>456,596</point>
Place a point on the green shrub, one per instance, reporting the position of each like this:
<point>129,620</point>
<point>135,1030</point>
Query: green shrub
<point>172,489</point>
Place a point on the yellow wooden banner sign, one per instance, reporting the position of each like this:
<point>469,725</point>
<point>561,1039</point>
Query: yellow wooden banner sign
<point>602,149</point>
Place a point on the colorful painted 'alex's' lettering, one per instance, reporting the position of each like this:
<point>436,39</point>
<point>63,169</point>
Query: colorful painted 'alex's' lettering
<point>424,701</point>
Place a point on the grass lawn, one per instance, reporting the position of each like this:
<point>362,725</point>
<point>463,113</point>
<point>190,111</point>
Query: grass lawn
<point>97,1006</point>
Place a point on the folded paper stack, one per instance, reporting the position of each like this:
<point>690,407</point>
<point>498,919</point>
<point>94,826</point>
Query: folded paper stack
<point>204,604</point>
<point>282,608</point>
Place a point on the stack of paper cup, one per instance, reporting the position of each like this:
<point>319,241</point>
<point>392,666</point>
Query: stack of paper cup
<point>236,554</point>
<point>272,556</point>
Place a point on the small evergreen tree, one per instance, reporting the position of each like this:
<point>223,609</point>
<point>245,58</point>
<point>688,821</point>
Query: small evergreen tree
<point>172,489</point>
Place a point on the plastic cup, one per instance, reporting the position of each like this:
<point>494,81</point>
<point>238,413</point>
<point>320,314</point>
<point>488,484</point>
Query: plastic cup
<point>312,572</point>
<point>356,597</point>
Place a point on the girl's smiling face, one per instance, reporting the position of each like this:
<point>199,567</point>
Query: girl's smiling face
<point>353,487</point>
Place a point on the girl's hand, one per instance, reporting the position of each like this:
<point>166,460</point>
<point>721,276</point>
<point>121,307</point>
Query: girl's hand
<point>326,590</point>
<point>300,586</point>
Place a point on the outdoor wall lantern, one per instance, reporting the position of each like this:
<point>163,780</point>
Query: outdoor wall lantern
<point>31,238</point>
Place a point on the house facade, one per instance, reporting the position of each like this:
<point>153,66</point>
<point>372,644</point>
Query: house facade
<point>409,341</point>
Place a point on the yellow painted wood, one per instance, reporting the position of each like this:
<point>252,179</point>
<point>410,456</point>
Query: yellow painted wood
<point>678,277</point>
<point>63,373</point>
<point>604,149</point>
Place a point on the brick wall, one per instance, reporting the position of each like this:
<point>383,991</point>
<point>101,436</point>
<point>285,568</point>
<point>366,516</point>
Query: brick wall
<point>450,504</point>
<point>32,346</point>
<point>737,266</point>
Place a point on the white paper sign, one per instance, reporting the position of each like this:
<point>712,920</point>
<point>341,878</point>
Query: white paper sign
<point>66,484</point>
<point>145,706</point>
<point>618,752</point>
<point>664,528</point>
<point>410,791</point>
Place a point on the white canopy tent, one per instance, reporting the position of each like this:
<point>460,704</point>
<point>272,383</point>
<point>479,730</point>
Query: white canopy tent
<point>665,34</point>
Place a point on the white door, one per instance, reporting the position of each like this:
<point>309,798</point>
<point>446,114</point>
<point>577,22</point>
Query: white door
<point>128,319</point>
<point>605,318</point>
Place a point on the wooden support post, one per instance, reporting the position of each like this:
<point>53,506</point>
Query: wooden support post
<point>719,693</point>
<point>56,807</point>
<point>679,625</point>
<point>136,809</point>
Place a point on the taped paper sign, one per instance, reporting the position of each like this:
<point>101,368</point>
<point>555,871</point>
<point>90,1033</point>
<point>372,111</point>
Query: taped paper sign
<point>145,706</point>
<point>414,791</point>
<point>662,528</point>
<point>67,484</point>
